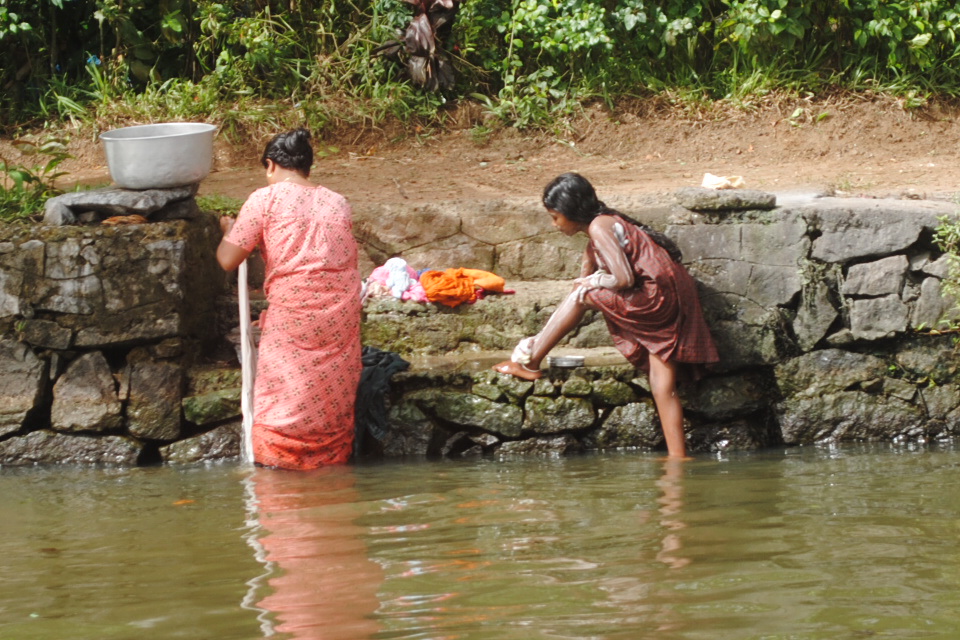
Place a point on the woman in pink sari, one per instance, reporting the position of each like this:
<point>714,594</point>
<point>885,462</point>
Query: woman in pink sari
<point>309,356</point>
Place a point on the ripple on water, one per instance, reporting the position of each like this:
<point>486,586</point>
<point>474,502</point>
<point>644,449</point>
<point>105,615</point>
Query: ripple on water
<point>814,543</point>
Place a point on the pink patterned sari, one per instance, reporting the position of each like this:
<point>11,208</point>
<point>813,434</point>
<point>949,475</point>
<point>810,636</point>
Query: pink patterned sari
<point>309,356</point>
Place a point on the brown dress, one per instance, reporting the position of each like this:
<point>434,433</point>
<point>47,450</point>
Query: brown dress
<point>661,313</point>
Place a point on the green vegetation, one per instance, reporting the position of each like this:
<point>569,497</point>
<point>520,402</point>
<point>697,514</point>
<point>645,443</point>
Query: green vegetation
<point>220,205</point>
<point>947,237</point>
<point>528,62</point>
<point>257,66</point>
<point>25,189</point>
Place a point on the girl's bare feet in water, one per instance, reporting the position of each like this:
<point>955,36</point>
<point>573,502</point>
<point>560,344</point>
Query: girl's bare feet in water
<point>518,370</point>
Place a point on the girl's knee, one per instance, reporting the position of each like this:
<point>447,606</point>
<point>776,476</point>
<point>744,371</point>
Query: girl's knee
<point>663,379</point>
<point>663,392</point>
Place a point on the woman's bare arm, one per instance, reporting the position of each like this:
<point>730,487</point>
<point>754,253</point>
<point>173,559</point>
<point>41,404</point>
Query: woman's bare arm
<point>229,255</point>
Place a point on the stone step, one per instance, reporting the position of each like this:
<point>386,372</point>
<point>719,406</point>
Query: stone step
<point>486,328</point>
<point>494,323</point>
<point>478,361</point>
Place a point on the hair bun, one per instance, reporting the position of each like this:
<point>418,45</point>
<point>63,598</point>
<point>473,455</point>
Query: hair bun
<point>290,150</point>
<point>300,135</point>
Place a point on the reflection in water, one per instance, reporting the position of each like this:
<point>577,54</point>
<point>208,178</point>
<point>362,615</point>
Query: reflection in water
<point>671,505</point>
<point>320,583</point>
<point>657,554</point>
<point>582,547</point>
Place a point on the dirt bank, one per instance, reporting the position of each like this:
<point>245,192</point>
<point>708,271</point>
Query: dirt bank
<point>856,146</point>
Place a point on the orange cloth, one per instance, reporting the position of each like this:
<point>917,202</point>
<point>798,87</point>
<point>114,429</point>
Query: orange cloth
<point>486,280</point>
<point>450,288</point>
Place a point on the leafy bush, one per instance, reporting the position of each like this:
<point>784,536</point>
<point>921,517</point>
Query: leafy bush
<point>24,190</point>
<point>947,237</point>
<point>220,205</point>
<point>529,61</point>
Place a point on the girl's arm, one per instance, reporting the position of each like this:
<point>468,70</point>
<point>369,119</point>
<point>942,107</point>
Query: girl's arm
<point>605,241</point>
<point>589,262</point>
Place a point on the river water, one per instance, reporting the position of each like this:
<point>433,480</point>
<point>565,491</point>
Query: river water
<point>806,543</point>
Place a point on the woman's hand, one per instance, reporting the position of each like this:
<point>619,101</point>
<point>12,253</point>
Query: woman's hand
<point>226,223</point>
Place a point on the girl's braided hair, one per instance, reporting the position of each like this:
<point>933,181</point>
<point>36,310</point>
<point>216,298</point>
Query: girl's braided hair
<point>572,195</point>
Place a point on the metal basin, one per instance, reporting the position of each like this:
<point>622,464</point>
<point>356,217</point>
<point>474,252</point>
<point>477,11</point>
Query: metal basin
<point>159,156</point>
<point>565,362</point>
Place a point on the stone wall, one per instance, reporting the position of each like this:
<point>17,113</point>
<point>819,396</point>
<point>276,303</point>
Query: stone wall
<point>113,346</point>
<point>833,302</point>
<point>827,313</point>
<point>100,326</point>
<point>513,238</point>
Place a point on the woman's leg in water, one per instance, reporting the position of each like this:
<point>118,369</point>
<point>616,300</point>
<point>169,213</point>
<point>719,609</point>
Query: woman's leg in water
<point>561,322</point>
<point>663,385</point>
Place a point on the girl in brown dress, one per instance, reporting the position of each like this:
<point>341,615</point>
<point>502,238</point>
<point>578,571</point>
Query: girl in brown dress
<point>634,277</point>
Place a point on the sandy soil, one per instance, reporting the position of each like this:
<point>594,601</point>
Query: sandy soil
<point>855,146</point>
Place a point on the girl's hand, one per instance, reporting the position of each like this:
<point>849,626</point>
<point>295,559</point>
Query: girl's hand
<point>587,283</point>
<point>226,223</point>
<point>592,281</point>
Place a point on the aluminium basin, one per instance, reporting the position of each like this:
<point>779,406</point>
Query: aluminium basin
<point>159,156</point>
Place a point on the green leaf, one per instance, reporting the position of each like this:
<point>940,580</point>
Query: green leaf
<point>50,166</point>
<point>18,176</point>
<point>921,40</point>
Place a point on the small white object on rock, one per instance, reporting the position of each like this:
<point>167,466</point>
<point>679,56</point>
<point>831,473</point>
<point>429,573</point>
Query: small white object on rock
<point>711,181</point>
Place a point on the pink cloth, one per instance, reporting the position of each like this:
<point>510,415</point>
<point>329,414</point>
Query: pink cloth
<point>414,292</point>
<point>309,357</point>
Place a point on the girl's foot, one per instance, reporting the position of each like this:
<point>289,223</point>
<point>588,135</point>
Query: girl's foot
<point>518,370</point>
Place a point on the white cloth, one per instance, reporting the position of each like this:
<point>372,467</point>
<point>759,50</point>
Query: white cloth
<point>711,181</point>
<point>523,351</point>
<point>398,280</point>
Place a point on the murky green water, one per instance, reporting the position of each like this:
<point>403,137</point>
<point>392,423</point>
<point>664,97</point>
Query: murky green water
<point>796,544</point>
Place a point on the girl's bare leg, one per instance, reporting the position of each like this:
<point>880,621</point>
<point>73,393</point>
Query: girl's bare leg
<point>663,384</point>
<point>561,322</point>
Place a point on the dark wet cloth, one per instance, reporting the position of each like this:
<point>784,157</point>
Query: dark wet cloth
<point>371,409</point>
<point>661,313</point>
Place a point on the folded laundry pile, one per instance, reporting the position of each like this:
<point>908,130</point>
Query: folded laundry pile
<point>449,287</point>
<point>395,278</point>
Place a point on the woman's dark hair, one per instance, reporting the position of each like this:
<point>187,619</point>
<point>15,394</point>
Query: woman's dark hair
<point>572,195</point>
<point>290,150</point>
